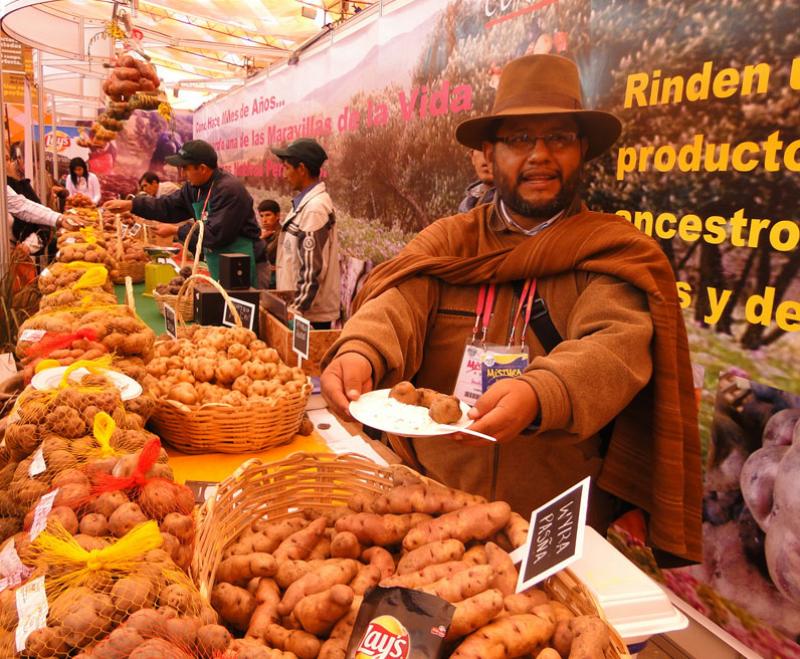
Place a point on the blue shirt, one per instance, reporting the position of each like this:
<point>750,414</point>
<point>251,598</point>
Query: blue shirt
<point>296,201</point>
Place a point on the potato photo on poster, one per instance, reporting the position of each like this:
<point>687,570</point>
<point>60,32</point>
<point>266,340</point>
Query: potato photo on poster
<point>749,581</point>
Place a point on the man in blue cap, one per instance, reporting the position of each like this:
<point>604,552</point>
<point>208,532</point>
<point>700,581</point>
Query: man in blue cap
<point>210,195</point>
<point>308,253</point>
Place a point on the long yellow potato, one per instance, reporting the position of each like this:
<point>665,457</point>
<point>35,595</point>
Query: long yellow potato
<point>461,585</point>
<point>426,575</point>
<point>475,612</point>
<point>505,638</point>
<point>477,522</point>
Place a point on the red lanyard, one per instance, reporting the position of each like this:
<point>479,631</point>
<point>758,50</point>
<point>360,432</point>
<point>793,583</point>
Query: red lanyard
<point>208,196</point>
<point>525,300</point>
<point>483,310</point>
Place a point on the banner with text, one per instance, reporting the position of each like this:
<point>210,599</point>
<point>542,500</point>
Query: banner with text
<point>707,165</point>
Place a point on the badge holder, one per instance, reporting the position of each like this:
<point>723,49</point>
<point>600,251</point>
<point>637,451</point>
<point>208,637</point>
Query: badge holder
<point>468,385</point>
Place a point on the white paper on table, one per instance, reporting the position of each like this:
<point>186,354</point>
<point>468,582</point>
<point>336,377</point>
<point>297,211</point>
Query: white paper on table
<point>339,440</point>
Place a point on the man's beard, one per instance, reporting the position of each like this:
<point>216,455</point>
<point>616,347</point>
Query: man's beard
<point>570,189</point>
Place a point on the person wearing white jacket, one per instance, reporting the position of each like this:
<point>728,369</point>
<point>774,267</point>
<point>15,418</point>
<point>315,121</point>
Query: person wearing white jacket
<point>30,211</point>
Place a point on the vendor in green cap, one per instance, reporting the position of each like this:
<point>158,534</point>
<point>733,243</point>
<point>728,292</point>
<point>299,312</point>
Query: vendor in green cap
<point>210,195</point>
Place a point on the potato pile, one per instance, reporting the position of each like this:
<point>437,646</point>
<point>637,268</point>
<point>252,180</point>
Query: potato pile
<point>227,365</point>
<point>80,200</point>
<point>58,276</point>
<point>88,252</point>
<point>117,328</point>
<point>129,76</point>
<point>62,425</point>
<point>296,585</point>
<point>129,601</point>
<point>132,251</point>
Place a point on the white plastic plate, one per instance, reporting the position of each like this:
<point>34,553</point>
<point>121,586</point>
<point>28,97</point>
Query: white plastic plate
<point>377,410</point>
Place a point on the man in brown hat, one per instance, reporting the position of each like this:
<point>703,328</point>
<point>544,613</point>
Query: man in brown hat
<point>606,390</point>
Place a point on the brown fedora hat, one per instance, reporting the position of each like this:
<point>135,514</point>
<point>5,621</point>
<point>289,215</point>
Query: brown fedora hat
<point>542,84</point>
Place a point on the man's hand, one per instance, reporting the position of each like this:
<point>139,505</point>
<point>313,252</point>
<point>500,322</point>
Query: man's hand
<point>506,409</point>
<point>166,230</point>
<point>68,222</point>
<point>345,379</point>
<point>118,205</point>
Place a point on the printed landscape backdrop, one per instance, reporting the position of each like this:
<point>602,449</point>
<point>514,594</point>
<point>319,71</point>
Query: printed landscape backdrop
<point>709,167</point>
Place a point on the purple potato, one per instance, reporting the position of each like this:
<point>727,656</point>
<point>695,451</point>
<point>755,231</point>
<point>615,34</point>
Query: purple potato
<point>783,559</point>
<point>786,496</point>
<point>780,428</point>
<point>757,481</point>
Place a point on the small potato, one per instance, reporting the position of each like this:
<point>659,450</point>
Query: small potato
<point>178,597</point>
<point>180,526</point>
<point>212,639</point>
<point>120,643</point>
<point>107,503</point>
<point>158,648</point>
<point>125,518</point>
<point>148,623</point>
<point>94,524</point>
<point>131,594</point>
<point>183,631</point>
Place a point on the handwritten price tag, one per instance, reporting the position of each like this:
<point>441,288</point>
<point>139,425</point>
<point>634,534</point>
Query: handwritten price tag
<point>43,509</point>
<point>32,610</point>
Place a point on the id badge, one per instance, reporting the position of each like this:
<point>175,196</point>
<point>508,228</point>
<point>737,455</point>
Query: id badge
<point>501,362</point>
<point>469,386</point>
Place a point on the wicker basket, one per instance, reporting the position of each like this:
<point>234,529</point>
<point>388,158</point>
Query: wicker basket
<point>221,428</point>
<point>132,269</point>
<point>184,306</point>
<point>322,482</point>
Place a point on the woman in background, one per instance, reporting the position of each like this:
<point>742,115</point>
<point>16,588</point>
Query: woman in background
<point>82,181</point>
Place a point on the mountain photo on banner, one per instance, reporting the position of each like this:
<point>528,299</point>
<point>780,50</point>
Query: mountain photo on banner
<point>396,167</point>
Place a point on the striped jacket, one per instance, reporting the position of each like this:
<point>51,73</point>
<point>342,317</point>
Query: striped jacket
<point>308,256</point>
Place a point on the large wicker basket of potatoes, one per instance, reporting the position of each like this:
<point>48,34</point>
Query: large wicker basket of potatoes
<point>286,551</point>
<point>221,390</point>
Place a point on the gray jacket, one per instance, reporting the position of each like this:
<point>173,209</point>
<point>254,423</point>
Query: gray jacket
<point>308,256</point>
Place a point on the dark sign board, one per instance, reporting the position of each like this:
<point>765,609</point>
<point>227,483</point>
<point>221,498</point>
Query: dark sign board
<point>247,312</point>
<point>170,324</point>
<point>202,490</point>
<point>301,336</point>
<point>555,537</point>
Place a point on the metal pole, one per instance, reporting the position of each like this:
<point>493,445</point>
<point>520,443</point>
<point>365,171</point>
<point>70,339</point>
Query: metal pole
<point>40,110</point>
<point>5,238</point>
<point>55,136</point>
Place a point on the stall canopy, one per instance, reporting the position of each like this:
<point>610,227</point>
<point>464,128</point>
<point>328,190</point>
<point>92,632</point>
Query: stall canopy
<point>199,48</point>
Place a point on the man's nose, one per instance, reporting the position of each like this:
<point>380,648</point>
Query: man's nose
<point>540,152</point>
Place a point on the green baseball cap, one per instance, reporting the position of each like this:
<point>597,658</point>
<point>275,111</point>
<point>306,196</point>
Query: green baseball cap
<point>305,150</point>
<point>194,152</point>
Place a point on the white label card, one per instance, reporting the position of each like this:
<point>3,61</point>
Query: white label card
<point>32,610</point>
<point>469,386</point>
<point>32,335</point>
<point>43,509</point>
<point>38,465</point>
